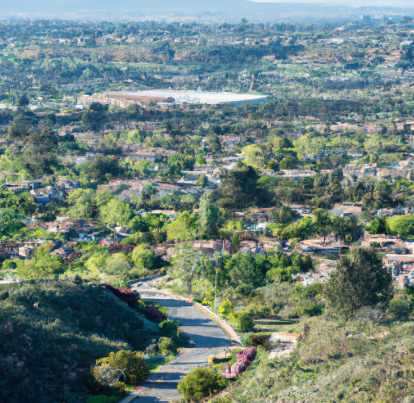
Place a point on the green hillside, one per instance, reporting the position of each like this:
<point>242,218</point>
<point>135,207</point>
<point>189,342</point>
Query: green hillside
<point>52,333</point>
<point>357,361</point>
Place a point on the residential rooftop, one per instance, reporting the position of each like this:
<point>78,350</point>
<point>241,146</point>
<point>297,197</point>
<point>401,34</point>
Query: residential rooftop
<point>192,97</point>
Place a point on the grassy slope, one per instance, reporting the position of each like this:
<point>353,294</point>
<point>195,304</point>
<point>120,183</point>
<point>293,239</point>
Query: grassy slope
<point>353,362</point>
<point>51,334</point>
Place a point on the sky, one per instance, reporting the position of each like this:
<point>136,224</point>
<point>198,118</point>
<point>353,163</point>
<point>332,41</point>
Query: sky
<point>390,3</point>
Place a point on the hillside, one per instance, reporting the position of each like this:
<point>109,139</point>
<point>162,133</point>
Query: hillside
<point>359,361</point>
<point>52,333</point>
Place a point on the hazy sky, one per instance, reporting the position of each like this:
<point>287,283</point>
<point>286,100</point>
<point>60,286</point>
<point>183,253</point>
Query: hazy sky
<point>391,3</point>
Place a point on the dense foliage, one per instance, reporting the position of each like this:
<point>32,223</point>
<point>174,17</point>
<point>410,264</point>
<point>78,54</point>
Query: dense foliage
<point>53,332</point>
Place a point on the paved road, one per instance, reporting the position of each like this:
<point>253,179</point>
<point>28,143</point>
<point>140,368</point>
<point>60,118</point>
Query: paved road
<point>208,339</point>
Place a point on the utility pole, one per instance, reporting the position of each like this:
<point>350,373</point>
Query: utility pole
<point>215,288</point>
<point>215,293</point>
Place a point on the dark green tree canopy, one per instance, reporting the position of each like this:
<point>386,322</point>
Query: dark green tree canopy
<point>359,281</point>
<point>241,189</point>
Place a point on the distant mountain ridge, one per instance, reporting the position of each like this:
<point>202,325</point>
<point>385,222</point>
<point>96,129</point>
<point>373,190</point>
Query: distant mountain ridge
<point>232,8</point>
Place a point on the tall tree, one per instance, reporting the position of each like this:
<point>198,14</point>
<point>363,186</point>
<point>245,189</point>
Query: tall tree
<point>322,223</point>
<point>209,217</point>
<point>360,280</point>
<point>95,116</point>
<point>41,154</point>
<point>241,189</point>
<point>183,228</point>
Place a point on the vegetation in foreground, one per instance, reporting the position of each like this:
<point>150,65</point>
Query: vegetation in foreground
<point>52,334</point>
<point>357,361</point>
<point>360,350</point>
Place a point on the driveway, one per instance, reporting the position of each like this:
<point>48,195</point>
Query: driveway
<point>208,338</point>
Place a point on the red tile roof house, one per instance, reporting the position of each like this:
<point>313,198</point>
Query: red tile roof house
<point>105,242</point>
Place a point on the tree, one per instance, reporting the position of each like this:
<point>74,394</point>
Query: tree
<point>131,363</point>
<point>359,281</point>
<point>246,269</point>
<point>19,129</point>
<point>103,168</point>
<point>82,203</point>
<point>183,228</point>
<point>401,225</point>
<point>209,217</point>
<point>43,265</point>
<point>301,229</point>
<point>378,226</point>
<point>22,101</point>
<point>322,223</point>
<point>288,162</point>
<point>144,258</point>
<point>187,264</point>
<point>10,221</point>
<point>95,116</point>
<point>345,228</point>
<point>245,323</point>
<point>40,156</point>
<point>117,264</point>
<point>200,383</point>
<point>283,215</point>
<point>241,189</point>
<point>116,212</point>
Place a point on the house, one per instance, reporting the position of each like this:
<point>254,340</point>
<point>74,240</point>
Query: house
<point>170,214</point>
<point>374,129</point>
<point>402,280</point>
<point>41,196</point>
<point>206,247</point>
<point>63,252</point>
<point>82,228</point>
<point>153,155</point>
<point>386,244</point>
<point>401,262</point>
<point>251,246</point>
<point>389,212</point>
<point>230,142</point>
<point>106,242</point>
<point>123,232</point>
<point>27,252</point>
<point>297,173</point>
<point>301,209</point>
<point>356,154</point>
<point>261,214</point>
<point>346,210</point>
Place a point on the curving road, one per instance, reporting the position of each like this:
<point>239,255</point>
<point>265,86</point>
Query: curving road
<point>208,339</point>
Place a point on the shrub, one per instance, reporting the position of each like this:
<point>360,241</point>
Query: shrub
<point>259,340</point>
<point>4,295</point>
<point>168,327</point>
<point>167,346</point>
<point>131,363</point>
<point>246,323</point>
<point>102,399</point>
<point>201,383</point>
<point>400,307</point>
<point>226,308</point>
